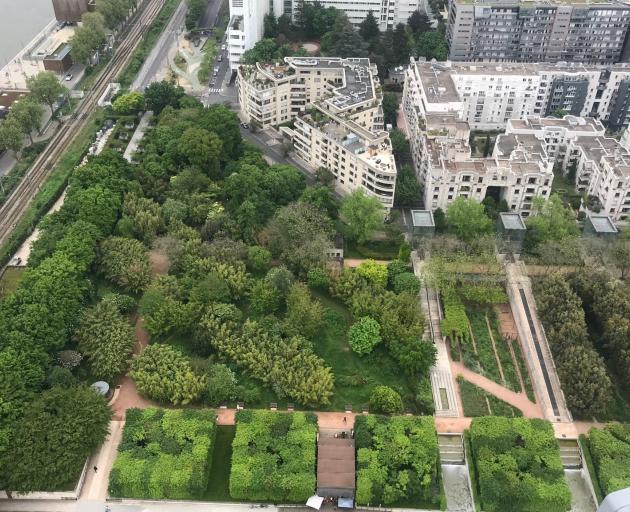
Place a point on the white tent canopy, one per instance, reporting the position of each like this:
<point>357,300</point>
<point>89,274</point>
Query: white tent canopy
<point>315,502</point>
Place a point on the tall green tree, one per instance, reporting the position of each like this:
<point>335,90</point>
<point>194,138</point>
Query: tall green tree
<point>402,43</point>
<point>125,262</point>
<point>28,114</point>
<point>11,136</point>
<point>418,23</point>
<point>408,190</point>
<point>432,45</point>
<point>106,338</point>
<point>343,40</point>
<point>45,88</point>
<point>362,215</point>
<point>88,37</point>
<point>390,108</point>
<point>467,219</point>
<point>369,31</point>
<point>159,95</point>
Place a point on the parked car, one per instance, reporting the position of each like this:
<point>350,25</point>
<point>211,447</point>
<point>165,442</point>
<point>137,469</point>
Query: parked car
<point>220,58</point>
<point>223,47</point>
<point>245,126</point>
<point>68,77</point>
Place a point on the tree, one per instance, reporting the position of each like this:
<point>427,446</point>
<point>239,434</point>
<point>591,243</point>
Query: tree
<point>369,31</point>
<point>125,262</point>
<point>97,205</point>
<point>270,24</point>
<point>406,282</point>
<point>304,314</point>
<point>552,222</point>
<point>195,12</point>
<point>264,299</point>
<point>390,108</point>
<point>402,43</point>
<point>323,198</point>
<point>586,384</point>
<point>106,338</point>
<point>57,433</point>
<point>159,95</point>
<point>28,114</point>
<point>418,23</point>
<point>343,40</point>
<point>620,255</point>
<point>45,88</point>
<point>164,374</point>
<point>11,136</point>
<point>221,385</point>
<point>400,146</point>
<point>87,38</point>
<point>129,103</point>
<point>559,113</point>
<point>439,218</point>
<point>364,335</point>
<point>265,50</point>
<point>432,45</point>
<point>467,219</point>
<point>362,215</point>
<point>408,190</point>
<point>385,400</point>
<point>114,12</point>
<point>258,258</point>
<point>200,148</point>
<point>373,272</point>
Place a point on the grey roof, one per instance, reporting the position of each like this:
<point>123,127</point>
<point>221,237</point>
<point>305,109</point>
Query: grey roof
<point>618,501</point>
<point>422,218</point>
<point>512,221</point>
<point>602,224</point>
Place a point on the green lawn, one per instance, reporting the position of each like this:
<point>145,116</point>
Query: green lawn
<point>10,280</point>
<point>475,405</point>
<point>375,249</point>
<point>219,480</point>
<point>355,375</point>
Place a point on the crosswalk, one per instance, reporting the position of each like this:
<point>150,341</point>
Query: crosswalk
<point>214,90</point>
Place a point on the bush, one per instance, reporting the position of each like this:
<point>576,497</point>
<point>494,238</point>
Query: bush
<point>386,400</point>
<point>373,272</point>
<point>125,262</point>
<point>221,384</point>
<point>273,457</point>
<point>164,374</point>
<point>406,282</point>
<point>518,464</point>
<point>164,454</point>
<point>318,279</point>
<point>258,258</point>
<point>611,455</point>
<point>387,450</point>
<point>364,335</point>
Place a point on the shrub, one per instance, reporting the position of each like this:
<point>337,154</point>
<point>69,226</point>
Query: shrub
<point>364,335</point>
<point>397,460</point>
<point>518,464</point>
<point>406,282</point>
<point>221,384</point>
<point>318,279</point>
<point>164,454</point>
<point>610,448</point>
<point>386,400</point>
<point>273,457</point>
<point>258,258</point>
<point>125,262</point>
<point>164,374</point>
<point>373,272</point>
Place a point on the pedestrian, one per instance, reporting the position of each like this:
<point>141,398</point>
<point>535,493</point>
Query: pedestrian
<point>95,469</point>
<point>344,420</point>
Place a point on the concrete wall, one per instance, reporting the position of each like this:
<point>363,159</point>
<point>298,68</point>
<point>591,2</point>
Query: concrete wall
<point>70,10</point>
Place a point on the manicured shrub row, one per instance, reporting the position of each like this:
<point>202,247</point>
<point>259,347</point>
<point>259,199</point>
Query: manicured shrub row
<point>273,456</point>
<point>397,460</point>
<point>610,449</point>
<point>518,465</point>
<point>164,454</point>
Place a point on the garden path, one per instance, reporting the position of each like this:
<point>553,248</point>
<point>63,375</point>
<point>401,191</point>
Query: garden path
<point>518,400</point>
<point>353,262</point>
<point>509,331</point>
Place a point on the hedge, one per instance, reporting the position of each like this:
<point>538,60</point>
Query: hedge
<point>273,456</point>
<point>518,465</point>
<point>397,460</point>
<point>164,454</point>
<point>610,449</point>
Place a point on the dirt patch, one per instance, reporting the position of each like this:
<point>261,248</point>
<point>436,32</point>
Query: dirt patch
<point>311,47</point>
<point>160,263</point>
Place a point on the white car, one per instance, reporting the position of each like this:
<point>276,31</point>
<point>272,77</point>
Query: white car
<point>68,77</point>
<point>223,47</point>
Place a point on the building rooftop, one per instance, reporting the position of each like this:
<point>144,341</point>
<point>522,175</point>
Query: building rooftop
<point>60,53</point>
<point>512,221</point>
<point>569,122</point>
<point>542,3</point>
<point>422,218</point>
<point>602,224</point>
<point>52,42</point>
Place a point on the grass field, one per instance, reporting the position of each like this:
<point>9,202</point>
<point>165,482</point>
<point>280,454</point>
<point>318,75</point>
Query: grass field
<point>10,280</point>
<point>475,405</point>
<point>219,479</point>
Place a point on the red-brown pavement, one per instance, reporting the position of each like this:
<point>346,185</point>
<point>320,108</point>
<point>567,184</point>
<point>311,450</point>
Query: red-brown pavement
<point>518,400</point>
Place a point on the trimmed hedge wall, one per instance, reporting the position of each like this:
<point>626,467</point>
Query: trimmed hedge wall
<point>273,456</point>
<point>610,449</point>
<point>397,460</point>
<point>164,454</point>
<point>518,465</point>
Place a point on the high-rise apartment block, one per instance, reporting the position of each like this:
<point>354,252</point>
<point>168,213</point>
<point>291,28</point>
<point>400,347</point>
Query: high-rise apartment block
<point>591,32</point>
<point>331,110</point>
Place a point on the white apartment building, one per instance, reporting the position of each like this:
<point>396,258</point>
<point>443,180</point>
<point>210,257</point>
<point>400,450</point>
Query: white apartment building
<point>487,95</point>
<point>247,18</point>
<point>518,170</point>
<point>331,110</point>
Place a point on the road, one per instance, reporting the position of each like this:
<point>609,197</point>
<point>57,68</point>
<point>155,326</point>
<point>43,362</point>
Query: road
<point>158,55</point>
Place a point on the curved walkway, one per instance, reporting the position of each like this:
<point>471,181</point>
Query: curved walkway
<point>518,400</point>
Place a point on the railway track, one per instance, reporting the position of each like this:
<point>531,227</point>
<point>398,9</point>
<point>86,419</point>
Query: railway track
<point>19,200</point>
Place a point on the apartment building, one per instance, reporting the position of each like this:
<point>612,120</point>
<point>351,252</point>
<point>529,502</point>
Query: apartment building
<point>331,110</point>
<point>588,31</point>
<point>518,170</point>
<point>388,12</point>
<point>487,95</point>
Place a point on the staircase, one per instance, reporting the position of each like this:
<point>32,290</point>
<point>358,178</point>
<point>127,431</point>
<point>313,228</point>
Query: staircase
<point>570,453</point>
<point>451,448</point>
